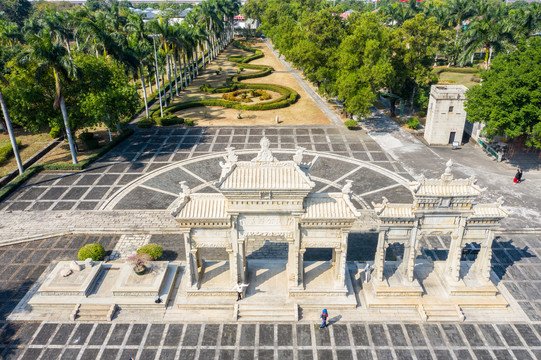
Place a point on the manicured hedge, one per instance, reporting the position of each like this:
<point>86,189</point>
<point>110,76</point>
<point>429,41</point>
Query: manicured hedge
<point>155,251</point>
<point>351,124</point>
<point>232,83</point>
<point>456,70</point>
<point>6,152</point>
<point>93,251</point>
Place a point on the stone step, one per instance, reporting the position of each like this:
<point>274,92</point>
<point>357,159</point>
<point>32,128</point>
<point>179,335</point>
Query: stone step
<point>439,312</point>
<point>93,312</point>
<point>267,312</point>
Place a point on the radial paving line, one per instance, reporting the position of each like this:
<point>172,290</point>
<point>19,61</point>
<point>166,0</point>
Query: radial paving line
<point>119,195</point>
<point>321,104</point>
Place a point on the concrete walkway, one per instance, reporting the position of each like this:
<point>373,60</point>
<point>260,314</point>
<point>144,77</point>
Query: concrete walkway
<point>318,100</point>
<point>470,160</point>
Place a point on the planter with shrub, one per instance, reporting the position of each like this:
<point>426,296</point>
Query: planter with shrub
<point>351,124</point>
<point>155,251</point>
<point>93,251</point>
<point>413,123</point>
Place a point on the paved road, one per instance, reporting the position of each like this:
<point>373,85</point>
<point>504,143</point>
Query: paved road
<point>470,160</point>
<point>320,102</point>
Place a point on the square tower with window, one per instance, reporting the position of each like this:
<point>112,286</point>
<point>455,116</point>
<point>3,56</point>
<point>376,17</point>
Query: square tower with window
<point>446,116</point>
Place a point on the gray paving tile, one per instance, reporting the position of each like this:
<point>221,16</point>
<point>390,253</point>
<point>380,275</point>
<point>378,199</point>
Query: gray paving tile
<point>266,335</point>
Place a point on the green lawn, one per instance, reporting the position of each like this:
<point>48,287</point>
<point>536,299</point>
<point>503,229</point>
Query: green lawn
<point>458,79</point>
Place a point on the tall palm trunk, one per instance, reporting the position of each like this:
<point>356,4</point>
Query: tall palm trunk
<point>489,57</point>
<point>180,71</point>
<point>68,130</point>
<point>168,59</point>
<point>144,90</point>
<point>186,72</point>
<point>176,74</point>
<point>164,89</point>
<point>11,135</point>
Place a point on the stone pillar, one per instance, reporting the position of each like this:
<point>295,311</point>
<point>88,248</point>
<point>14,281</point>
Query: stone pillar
<point>341,256</point>
<point>410,252</point>
<point>482,264</point>
<point>379,260</point>
<point>452,265</point>
<point>301,268</point>
<point>190,268</point>
<point>233,251</point>
<point>241,259</point>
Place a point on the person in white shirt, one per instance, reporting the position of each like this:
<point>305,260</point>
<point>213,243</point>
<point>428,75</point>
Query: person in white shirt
<point>239,287</point>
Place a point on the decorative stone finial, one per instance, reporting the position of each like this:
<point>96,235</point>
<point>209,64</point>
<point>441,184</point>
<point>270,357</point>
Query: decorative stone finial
<point>186,191</point>
<point>184,197</point>
<point>499,201</point>
<point>231,156</point>
<point>264,154</point>
<point>346,190</point>
<point>297,158</point>
<point>447,175</point>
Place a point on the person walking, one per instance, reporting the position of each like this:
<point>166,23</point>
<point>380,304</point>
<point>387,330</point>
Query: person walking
<point>518,176</point>
<point>324,316</point>
<point>239,288</point>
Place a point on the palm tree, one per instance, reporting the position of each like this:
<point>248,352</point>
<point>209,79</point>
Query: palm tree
<point>9,33</point>
<point>51,57</point>
<point>459,11</point>
<point>10,128</point>
<point>489,33</point>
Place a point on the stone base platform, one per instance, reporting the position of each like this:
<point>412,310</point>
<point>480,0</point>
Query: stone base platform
<point>468,285</point>
<point>114,284</point>
<point>436,303</point>
<point>267,292</point>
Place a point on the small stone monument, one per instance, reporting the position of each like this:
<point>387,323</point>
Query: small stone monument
<point>89,263</point>
<point>66,272</point>
<point>74,266</point>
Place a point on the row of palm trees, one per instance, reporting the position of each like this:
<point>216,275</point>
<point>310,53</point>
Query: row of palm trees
<point>145,48</point>
<point>489,26</point>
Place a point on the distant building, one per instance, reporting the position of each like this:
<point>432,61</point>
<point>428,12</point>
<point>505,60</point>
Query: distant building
<point>150,13</point>
<point>446,115</point>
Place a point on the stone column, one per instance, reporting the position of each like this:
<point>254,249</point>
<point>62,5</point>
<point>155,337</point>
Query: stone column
<point>452,265</point>
<point>190,269</point>
<point>233,251</point>
<point>301,268</point>
<point>379,260</point>
<point>482,264</point>
<point>241,259</point>
<point>410,252</point>
<point>341,256</point>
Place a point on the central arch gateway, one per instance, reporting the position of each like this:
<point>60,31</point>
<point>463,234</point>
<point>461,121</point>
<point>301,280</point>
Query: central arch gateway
<point>271,200</point>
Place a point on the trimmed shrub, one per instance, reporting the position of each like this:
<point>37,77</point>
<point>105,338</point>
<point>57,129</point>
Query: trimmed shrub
<point>93,251</point>
<point>169,120</point>
<point>350,124</point>
<point>421,113</point>
<point>145,124</point>
<point>6,152</point>
<point>413,123</point>
<point>55,132</point>
<point>189,122</point>
<point>155,251</point>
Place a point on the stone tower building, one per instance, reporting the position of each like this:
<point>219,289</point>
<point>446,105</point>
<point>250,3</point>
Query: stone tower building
<point>446,115</point>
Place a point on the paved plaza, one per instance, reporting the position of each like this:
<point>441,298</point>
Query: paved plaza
<point>124,199</point>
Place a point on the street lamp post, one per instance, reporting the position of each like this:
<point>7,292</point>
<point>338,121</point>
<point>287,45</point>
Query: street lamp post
<point>157,72</point>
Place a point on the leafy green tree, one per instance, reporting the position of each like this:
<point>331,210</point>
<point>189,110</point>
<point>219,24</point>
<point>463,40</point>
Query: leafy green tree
<point>509,100</point>
<point>413,47</point>
<point>16,11</point>
<point>52,57</point>
<point>364,63</point>
<point>105,93</point>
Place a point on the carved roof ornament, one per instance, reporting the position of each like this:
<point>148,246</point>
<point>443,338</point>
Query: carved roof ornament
<point>447,175</point>
<point>231,156</point>
<point>184,197</point>
<point>264,155</point>
<point>297,158</point>
<point>346,190</point>
<point>230,163</point>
